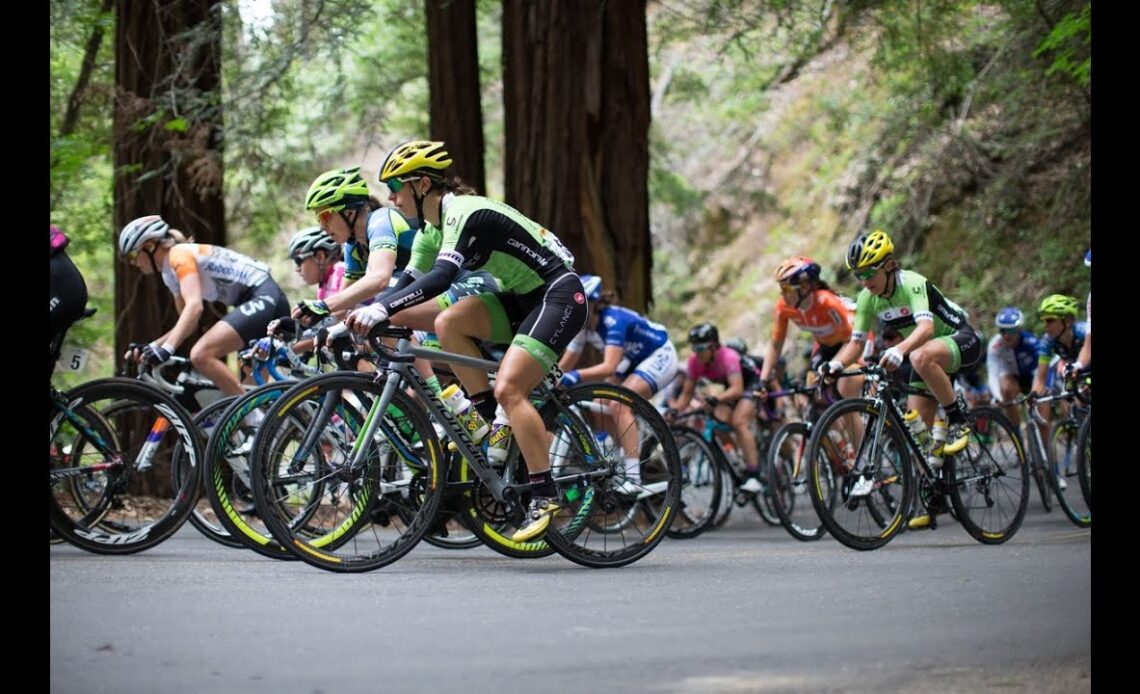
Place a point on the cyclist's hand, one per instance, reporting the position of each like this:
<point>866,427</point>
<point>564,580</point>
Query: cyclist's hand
<point>1072,369</point>
<point>712,401</point>
<point>362,320</point>
<point>310,311</point>
<point>830,367</point>
<point>263,348</point>
<point>153,355</point>
<point>571,378</point>
<point>134,352</point>
<point>891,359</point>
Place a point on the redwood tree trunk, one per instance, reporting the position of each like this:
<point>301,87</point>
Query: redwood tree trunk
<point>576,99</point>
<point>167,144</point>
<point>453,73</point>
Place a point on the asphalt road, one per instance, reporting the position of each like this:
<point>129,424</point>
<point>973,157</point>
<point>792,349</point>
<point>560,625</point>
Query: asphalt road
<point>743,609</point>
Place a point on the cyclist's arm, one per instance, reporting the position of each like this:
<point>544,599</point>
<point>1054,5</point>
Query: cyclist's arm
<point>735,388</point>
<point>1039,378</point>
<point>770,358</point>
<point>685,397</point>
<point>1085,357</point>
<point>611,357</point>
<point>381,264</point>
<point>850,351</point>
<point>569,359</point>
<point>189,312</point>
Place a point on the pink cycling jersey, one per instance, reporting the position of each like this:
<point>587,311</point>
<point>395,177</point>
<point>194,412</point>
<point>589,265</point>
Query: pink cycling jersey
<point>724,363</point>
<point>330,283</point>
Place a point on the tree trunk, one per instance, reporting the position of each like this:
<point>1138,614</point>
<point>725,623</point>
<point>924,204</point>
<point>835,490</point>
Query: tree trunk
<point>576,100</point>
<point>453,73</point>
<point>167,144</point>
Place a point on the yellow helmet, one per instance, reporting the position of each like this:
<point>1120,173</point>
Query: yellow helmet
<point>418,156</point>
<point>869,249</point>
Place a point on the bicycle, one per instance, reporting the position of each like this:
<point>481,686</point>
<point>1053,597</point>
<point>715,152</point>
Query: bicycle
<point>390,483</point>
<point>1058,461</point>
<point>785,469</point>
<point>115,444</point>
<point>1084,458</point>
<point>864,497</point>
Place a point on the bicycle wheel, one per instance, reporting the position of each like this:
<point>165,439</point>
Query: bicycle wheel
<point>316,503</point>
<point>1037,469</point>
<point>226,469</point>
<point>762,500</point>
<point>788,474</point>
<point>1063,454</point>
<point>451,529</point>
<point>989,479</point>
<point>487,517</point>
<point>700,484</point>
<point>860,485</point>
<point>1084,459</point>
<point>114,491</point>
<point>583,530</point>
<point>727,489</point>
<point>203,516</point>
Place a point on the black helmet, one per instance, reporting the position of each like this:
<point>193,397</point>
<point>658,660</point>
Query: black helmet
<point>738,344</point>
<point>704,332</point>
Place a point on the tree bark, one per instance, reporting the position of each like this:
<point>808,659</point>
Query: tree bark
<point>577,100</point>
<point>167,145</point>
<point>453,73</point>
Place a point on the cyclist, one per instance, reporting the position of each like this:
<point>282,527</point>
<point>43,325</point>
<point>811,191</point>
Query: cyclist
<point>636,353</point>
<point>541,305</point>
<point>1063,339</point>
<point>937,339</point>
<point>376,241</point>
<point>1011,359</point>
<point>317,257</point>
<point>195,273</point>
<point>68,291</point>
<point>736,405</point>
<point>807,301</point>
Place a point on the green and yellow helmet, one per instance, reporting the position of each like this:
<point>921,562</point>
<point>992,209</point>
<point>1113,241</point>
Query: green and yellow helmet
<point>417,156</point>
<point>1058,305</point>
<point>869,249</point>
<point>337,189</point>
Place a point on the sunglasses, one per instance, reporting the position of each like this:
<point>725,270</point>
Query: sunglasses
<point>397,184</point>
<point>132,256</point>
<point>298,259</point>
<point>701,346</point>
<point>1008,331</point>
<point>1051,319</point>
<point>326,214</point>
<point>867,272</point>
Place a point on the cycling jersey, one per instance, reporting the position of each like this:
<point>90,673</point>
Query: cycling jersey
<point>915,298</point>
<point>387,230</point>
<point>68,292</point>
<point>1019,362</point>
<point>539,291</point>
<point>224,275</point>
<point>827,319</point>
<point>725,362</point>
<point>1047,346</point>
<point>330,283</point>
<point>646,349</point>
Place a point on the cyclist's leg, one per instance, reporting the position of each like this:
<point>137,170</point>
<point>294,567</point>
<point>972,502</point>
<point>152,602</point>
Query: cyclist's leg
<point>209,352</point>
<point>742,417</point>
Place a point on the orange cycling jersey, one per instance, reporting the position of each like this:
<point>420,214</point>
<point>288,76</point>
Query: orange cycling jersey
<point>828,319</point>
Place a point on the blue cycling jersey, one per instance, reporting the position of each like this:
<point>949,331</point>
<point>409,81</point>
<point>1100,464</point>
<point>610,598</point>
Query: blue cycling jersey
<point>387,230</point>
<point>618,326</point>
<point>1047,345</point>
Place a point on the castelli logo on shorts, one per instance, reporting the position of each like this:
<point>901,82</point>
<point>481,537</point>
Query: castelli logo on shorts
<point>579,297</point>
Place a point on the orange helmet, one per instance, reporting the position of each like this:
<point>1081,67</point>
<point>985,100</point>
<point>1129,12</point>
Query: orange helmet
<point>795,269</point>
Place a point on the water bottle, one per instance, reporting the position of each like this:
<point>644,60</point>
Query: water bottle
<point>918,429</point>
<point>938,435</point>
<point>499,443</point>
<point>465,413</point>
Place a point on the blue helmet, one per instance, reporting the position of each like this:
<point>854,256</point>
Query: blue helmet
<point>1088,258</point>
<point>592,285</point>
<point>1009,317</point>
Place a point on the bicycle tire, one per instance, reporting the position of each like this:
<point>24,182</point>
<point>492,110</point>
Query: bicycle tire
<point>864,521</point>
<point>701,486</point>
<point>1063,453</point>
<point>391,500</point>
<point>1084,459</point>
<point>571,532</point>
<point>788,478</point>
<point>1037,471</point>
<point>203,517</point>
<point>989,478</point>
<point>142,508</point>
<point>488,518</point>
<point>231,499</point>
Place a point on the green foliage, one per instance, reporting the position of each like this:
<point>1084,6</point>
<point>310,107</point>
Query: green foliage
<point>1070,43</point>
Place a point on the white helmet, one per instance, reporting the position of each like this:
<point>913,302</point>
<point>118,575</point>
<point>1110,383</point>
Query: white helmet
<point>307,241</point>
<point>593,286</point>
<point>141,230</point>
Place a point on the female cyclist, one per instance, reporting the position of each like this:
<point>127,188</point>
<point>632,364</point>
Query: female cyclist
<point>807,301</point>
<point>540,308</point>
<point>195,273</point>
<point>636,353</point>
